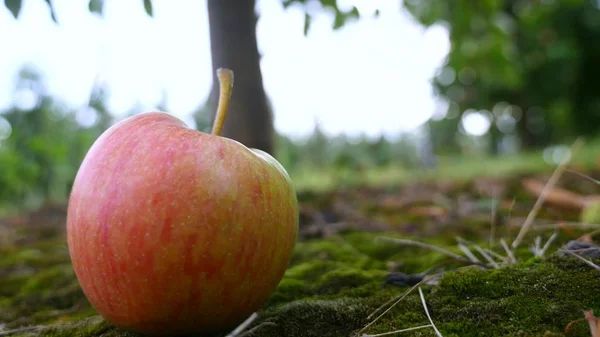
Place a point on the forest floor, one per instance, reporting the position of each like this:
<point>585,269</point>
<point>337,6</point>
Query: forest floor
<point>429,255</point>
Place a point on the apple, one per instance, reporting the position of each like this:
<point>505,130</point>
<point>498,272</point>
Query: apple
<point>173,231</point>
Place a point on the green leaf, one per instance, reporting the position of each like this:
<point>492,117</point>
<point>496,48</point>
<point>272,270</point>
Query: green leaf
<point>52,12</point>
<point>288,3</point>
<point>96,6</point>
<point>339,21</point>
<point>354,13</point>
<point>307,19</point>
<point>341,18</point>
<point>14,6</point>
<point>148,7</point>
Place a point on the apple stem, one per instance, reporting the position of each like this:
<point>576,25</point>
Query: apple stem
<point>225,88</point>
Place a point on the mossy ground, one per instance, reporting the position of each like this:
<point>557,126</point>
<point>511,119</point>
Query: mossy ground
<point>334,284</point>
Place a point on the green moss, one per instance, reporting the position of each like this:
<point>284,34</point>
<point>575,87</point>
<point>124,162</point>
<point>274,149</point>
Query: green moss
<point>527,300</point>
<point>48,278</point>
<point>337,250</point>
<point>326,279</point>
<point>350,282</point>
<point>93,326</point>
<point>537,298</point>
<point>331,288</point>
<point>38,286</point>
<point>321,318</point>
<point>311,270</point>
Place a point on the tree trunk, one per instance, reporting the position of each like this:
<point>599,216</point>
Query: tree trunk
<point>527,138</point>
<point>234,46</point>
<point>495,139</point>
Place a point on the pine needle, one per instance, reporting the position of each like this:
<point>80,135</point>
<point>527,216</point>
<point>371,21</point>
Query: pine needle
<point>588,262</point>
<point>398,331</point>
<point>427,313</point>
<point>508,251</point>
<point>423,245</point>
<point>585,176</point>
<point>548,243</point>
<point>398,299</point>
<point>243,326</point>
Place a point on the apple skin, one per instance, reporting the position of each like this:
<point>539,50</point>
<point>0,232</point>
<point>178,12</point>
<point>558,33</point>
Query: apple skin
<point>173,231</point>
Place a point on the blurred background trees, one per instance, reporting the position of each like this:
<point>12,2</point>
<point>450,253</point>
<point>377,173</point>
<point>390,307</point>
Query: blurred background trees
<point>42,143</point>
<point>524,71</point>
<point>529,67</point>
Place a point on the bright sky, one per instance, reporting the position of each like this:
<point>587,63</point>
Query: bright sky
<point>372,76</point>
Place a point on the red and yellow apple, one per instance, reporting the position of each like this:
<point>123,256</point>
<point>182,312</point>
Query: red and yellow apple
<point>174,231</point>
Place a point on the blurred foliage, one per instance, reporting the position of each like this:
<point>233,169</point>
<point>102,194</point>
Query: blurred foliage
<point>14,6</point>
<point>526,66</point>
<point>42,143</point>
<point>529,66</point>
<point>342,153</point>
<point>341,17</point>
<point>94,6</point>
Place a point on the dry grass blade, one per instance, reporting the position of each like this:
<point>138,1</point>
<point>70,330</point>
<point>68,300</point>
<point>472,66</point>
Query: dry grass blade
<point>468,253</point>
<point>398,299</point>
<point>437,332</point>
<point>256,328</point>
<point>585,176</point>
<point>547,188</point>
<point>381,307</point>
<point>243,326</point>
<point>548,243</point>
<point>588,262</point>
<point>28,329</point>
<point>538,245</point>
<point>508,251</point>
<point>487,257</point>
<point>423,245</point>
<point>493,253</point>
<point>489,251</point>
<point>398,331</point>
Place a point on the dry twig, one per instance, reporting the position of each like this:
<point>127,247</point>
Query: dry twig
<point>547,188</point>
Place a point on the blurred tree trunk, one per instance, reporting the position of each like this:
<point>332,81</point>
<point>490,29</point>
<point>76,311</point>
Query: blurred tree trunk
<point>528,139</point>
<point>495,139</point>
<point>234,46</point>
